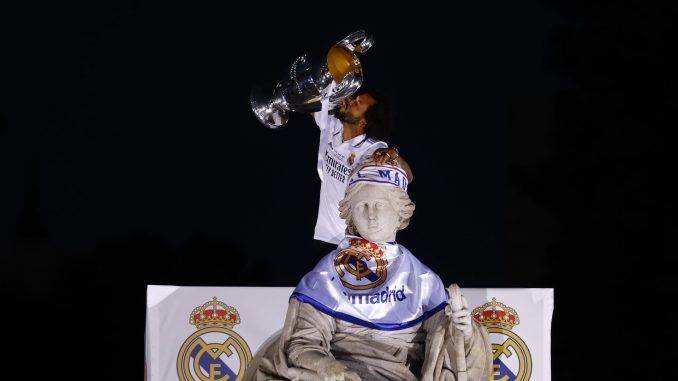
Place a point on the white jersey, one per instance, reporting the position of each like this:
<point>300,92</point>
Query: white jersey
<point>336,160</point>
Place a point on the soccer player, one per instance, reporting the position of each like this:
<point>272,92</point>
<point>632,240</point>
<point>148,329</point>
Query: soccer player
<point>351,135</point>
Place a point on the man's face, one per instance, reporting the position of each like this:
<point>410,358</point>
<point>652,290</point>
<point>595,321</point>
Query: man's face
<point>353,109</point>
<point>374,216</point>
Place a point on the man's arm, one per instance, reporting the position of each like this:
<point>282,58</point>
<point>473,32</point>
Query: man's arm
<point>388,156</point>
<point>406,167</point>
<point>324,101</point>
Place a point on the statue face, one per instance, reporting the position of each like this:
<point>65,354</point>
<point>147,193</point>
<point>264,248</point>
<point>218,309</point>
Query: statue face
<point>374,216</point>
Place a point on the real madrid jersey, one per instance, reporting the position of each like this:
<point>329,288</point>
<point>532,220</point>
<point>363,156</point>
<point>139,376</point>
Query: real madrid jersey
<point>336,160</point>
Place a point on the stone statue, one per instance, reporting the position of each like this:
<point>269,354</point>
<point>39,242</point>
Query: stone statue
<point>370,310</point>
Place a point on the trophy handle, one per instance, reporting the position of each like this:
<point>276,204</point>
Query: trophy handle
<point>350,42</point>
<point>347,73</point>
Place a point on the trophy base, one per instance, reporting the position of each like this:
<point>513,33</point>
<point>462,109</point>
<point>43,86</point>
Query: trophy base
<point>266,110</point>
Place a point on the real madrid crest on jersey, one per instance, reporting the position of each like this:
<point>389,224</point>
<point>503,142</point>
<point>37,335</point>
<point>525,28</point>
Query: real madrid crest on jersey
<point>362,265</point>
<point>512,360</point>
<point>215,352</point>
<point>351,159</point>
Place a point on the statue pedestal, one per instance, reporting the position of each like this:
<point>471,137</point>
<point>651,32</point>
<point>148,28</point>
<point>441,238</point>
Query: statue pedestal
<point>218,330</point>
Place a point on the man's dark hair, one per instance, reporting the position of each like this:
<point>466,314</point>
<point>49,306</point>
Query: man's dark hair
<point>378,116</point>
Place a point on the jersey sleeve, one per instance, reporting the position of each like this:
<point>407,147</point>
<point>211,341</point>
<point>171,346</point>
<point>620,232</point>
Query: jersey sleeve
<point>323,118</point>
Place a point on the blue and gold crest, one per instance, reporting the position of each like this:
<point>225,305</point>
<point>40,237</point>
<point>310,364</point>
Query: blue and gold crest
<point>215,352</point>
<point>362,265</point>
<point>512,360</point>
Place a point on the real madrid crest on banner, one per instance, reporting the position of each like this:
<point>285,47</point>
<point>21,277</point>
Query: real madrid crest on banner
<point>512,360</point>
<point>365,262</point>
<point>215,352</point>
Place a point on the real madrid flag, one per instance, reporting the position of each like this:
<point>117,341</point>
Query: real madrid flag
<point>212,333</point>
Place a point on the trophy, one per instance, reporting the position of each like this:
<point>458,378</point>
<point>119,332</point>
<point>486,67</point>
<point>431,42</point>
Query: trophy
<point>309,77</point>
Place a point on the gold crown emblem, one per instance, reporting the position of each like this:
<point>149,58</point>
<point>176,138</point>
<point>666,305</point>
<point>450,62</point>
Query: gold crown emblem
<point>367,247</point>
<point>214,314</point>
<point>495,314</point>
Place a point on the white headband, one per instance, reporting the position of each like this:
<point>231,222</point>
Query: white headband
<point>381,175</point>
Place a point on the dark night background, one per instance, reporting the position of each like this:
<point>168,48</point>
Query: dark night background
<point>129,156</point>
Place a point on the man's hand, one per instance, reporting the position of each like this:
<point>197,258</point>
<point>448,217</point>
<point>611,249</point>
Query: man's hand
<point>332,370</point>
<point>461,319</point>
<point>386,156</point>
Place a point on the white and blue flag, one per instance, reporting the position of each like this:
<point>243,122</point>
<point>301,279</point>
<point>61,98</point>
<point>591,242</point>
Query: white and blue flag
<point>376,285</point>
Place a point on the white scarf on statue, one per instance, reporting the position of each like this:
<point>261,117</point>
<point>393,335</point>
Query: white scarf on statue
<point>376,285</point>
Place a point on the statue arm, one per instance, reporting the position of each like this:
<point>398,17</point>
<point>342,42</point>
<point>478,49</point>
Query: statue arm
<point>308,346</point>
<point>310,339</point>
<point>478,353</point>
<point>440,358</point>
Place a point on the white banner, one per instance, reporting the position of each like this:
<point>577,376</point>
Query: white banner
<point>212,333</point>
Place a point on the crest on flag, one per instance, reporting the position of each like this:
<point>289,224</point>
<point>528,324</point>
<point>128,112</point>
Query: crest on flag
<point>215,352</point>
<point>362,265</point>
<point>512,360</point>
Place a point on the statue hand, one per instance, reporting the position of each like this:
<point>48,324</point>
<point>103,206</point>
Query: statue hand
<point>333,370</point>
<point>461,319</point>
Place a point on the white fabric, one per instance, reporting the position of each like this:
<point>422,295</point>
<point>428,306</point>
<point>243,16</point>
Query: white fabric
<point>336,160</point>
<point>393,290</point>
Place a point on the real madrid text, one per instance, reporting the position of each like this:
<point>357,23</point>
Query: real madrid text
<point>386,296</point>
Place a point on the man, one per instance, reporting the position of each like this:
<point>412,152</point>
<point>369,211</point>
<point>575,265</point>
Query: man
<point>353,134</point>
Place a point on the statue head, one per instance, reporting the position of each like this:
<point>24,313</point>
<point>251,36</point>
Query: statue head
<point>376,204</point>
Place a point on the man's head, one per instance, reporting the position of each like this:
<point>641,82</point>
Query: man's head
<point>369,109</point>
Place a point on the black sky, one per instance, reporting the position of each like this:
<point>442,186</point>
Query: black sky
<point>130,155</point>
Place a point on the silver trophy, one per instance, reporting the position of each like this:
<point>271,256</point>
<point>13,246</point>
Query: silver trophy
<point>302,90</point>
